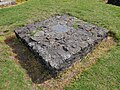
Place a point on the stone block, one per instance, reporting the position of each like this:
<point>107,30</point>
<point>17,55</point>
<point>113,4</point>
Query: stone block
<point>60,40</point>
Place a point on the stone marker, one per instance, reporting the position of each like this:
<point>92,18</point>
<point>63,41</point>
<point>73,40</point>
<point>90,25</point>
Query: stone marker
<point>7,2</point>
<point>60,40</point>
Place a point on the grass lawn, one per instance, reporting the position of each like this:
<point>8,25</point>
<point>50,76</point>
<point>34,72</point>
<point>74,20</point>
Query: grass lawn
<point>104,75</point>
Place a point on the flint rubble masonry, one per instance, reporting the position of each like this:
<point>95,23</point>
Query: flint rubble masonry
<point>61,40</point>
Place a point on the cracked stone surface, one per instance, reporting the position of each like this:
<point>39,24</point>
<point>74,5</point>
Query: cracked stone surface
<point>61,40</point>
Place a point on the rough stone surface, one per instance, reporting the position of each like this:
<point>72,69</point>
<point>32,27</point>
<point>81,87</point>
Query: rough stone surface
<point>61,40</point>
<point>7,2</point>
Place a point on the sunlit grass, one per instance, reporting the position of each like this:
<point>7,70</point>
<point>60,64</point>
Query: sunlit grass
<point>104,75</point>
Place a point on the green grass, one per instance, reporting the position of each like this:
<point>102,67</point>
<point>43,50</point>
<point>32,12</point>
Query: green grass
<point>105,75</point>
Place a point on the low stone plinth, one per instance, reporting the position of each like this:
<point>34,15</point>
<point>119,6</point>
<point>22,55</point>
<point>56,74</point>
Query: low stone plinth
<point>61,40</point>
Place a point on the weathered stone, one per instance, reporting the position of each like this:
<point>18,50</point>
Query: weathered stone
<point>58,44</point>
<point>7,2</point>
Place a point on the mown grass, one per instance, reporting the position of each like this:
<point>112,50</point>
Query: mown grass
<point>102,76</point>
<point>105,75</point>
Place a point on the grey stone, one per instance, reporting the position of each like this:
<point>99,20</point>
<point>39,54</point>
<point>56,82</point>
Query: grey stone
<point>58,44</point>
<point>7,2</point>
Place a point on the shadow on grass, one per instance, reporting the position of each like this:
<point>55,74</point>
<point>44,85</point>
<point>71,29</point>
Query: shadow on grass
<point>39,74</point>
<point>36,71</point>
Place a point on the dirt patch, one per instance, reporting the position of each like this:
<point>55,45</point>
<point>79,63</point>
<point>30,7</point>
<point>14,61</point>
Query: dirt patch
<point>23,57</point>
<point>42,77</point>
